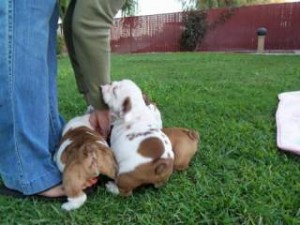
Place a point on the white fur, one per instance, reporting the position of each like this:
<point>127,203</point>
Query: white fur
<point>78,121</point>
<point>112,188</point>
<point>57,155</point>
<point>157,115</point>
<point>129,160</point>
<point>139,120</point>
<point>74,203</point>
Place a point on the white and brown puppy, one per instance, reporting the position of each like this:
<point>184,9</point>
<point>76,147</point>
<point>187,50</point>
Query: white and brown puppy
<point>185,144</point>
<point>143,152</point>
<point>83,154</point>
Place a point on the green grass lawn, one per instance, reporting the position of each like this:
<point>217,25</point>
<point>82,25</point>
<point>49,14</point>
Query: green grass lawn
<point>238,176</point>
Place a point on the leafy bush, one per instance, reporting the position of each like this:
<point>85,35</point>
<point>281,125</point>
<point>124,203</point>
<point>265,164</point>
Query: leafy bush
<point>195,29</point>
<point>196,25</point>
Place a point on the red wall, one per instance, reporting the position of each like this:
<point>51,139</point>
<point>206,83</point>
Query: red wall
<point>160,33</point>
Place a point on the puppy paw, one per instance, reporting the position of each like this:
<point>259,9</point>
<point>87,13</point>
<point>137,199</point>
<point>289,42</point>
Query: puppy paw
<point>74,203</point>
<point>112,188</point>
<point>68,206</point>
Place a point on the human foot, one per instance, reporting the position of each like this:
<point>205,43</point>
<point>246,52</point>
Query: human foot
<point>56,191</point>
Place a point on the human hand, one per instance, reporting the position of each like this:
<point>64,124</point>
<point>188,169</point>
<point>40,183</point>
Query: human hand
<point>100,121</point>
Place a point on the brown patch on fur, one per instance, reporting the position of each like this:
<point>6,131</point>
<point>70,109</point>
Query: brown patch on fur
<point>77,172</point>
<point>184,144</point>
<point>131,136</point>
<point>127,105</point>
<point>156,172</point>
<point>151,148</point>
<point>84,159</point>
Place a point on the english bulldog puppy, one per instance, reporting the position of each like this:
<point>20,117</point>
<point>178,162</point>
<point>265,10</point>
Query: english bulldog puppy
<point>82,156</point>
<point>143,152</point>
<point>185,144</point>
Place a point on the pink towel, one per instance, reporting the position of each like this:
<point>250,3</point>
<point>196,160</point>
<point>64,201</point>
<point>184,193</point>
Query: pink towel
<point>288,122</point>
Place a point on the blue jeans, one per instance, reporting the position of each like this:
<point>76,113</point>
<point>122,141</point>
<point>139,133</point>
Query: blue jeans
<point>30,124</point>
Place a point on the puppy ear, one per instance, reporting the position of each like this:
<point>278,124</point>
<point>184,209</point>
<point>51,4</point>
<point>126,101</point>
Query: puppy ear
<point>126,110</point>
<point>146,99</point>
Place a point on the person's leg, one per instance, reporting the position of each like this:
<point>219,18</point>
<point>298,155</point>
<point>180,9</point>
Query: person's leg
<point>56,121</point>
<point>67,30</point>
<point>26,162</point>
<point>88,43</point>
